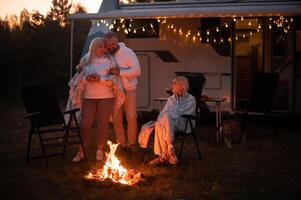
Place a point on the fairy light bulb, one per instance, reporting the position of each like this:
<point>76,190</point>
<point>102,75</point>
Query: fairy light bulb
<point>98,24</point>
<point>270,26</point>
<point>244,36</point>
<point>151,25</point>
<point>171,26</point>
<point>126,31</point>
<point>214,40</point>
<point>201,38</point>
<point>123,25</point>
<point>236,38</point>
<point>208,33</point>
<point>217,29</point>
<point>130,25</point>
<point>188,33</point>
<point>258,30</point>
<point>118,29</point>
<point>234,19</point>
<point>207,39</point>
<point>250,23</point>
<point>226,25</point>
<point>114,22</point>
<point>198,34</point>
<point>134,31</point>
<point>229,39</point>
<point>158,20</point>
<point>242,18</point>
<point>143,29</point>
<point>194,38</point>
<point>292,20</point>
<point>259,26</point>
<point>222,40</point>
<point>251,33</point>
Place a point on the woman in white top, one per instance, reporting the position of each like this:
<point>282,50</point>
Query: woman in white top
<point>98,96</point>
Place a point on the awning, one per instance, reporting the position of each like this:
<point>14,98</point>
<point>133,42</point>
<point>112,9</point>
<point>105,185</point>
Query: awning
<point>197,10</point>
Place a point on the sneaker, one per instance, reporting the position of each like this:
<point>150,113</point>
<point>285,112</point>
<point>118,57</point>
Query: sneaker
<point>157,161</point>
<point>99,155</point>
<point>78,157</point>
<point>172,157</point>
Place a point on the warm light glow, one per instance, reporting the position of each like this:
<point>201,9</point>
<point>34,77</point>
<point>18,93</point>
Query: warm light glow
<point>43,6</point>
<point>113,170</point>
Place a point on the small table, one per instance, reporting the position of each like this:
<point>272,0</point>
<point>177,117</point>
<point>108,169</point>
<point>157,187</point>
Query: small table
<point>218,114</point>
<point>161,100</point>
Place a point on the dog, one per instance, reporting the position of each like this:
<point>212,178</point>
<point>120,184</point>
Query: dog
<point>233,130</point>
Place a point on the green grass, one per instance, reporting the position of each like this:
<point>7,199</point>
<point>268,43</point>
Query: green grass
<point>266,167</point>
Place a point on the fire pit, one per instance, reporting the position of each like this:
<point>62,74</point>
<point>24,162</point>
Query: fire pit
<point>113,171</point>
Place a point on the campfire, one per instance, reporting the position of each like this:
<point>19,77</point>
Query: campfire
<point>114,171</point>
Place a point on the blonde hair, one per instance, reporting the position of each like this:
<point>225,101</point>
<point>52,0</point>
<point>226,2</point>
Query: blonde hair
<point>183,81</point>
<point>93,46</point>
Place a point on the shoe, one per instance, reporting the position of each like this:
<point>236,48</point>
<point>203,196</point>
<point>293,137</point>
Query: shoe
<point>99,155</point>
<point>172,157</point>
<point>157,161</point>
<point>78,157</point>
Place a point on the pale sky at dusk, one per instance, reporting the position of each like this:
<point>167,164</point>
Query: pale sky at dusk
<point>43,6</point>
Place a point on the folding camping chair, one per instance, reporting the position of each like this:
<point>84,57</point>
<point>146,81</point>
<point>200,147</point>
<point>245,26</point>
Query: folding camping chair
<point>47,121</point>
<point>196,83</point>
<point>262,96</point>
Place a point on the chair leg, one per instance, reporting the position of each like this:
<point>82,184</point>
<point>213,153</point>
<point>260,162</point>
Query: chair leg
<point>29,145</point>
<point>43,149</point>
<point>66,136</point>
<point>196,145</point>
<point>182,144</point>
<point>79,134</point>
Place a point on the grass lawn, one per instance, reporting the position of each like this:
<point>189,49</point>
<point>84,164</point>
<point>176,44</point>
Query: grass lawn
<point>266,167</point>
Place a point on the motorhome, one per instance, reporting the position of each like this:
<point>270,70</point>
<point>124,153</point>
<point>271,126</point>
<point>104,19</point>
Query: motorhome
<point>227,41</point>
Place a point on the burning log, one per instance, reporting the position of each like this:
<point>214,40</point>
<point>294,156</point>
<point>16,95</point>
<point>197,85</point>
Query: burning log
<point>114,172</point>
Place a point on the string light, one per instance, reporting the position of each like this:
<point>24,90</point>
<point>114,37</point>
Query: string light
<point>194,35</point>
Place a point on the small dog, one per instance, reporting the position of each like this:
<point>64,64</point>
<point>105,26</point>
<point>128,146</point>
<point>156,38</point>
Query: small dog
<point>233,130</point>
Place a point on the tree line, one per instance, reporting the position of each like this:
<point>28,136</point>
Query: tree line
<point>35,49</point>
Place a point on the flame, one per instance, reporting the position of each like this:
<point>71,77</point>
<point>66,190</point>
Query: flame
<point>113,170</point>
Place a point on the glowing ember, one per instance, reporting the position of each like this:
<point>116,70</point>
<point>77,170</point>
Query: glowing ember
<point>114,171</point>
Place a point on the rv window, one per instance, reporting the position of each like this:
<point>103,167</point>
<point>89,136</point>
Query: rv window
<point>166,56</point>
<point>142,28</point>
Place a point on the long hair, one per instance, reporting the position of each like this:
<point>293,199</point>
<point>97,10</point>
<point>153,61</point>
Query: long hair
<point>95,43</point>
<point>183,81</point>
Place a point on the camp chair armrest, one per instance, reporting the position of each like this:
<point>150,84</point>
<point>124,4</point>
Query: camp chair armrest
<point>32,115</point>
<point>186,116</point>
<point>74,110</point>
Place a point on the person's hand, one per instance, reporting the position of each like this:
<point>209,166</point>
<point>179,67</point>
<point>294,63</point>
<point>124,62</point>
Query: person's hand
<point>93,78</point>
<point>79,68</point>
<point>115,71</point>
